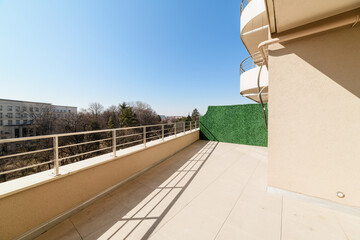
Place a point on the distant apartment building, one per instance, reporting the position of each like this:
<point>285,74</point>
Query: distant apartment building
<point>17,117</point>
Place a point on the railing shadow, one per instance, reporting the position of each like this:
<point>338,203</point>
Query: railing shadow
<point>148,206</point>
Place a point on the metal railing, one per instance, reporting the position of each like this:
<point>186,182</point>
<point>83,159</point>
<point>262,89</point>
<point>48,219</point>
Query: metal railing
<point>251,62</point>
<point>243,4</point>
<point>61,149</point>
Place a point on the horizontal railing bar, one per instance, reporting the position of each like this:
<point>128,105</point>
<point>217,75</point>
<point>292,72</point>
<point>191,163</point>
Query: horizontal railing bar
<point>80,154</point>
<point>76,144</point>
<point>130,135</point>
<point>128,143</point>
<point>153,137</point>
<point>75,133</point>
<point>23,168</point>
<point>25,153</point>
<point>171,131</point>
<point>153,131</point>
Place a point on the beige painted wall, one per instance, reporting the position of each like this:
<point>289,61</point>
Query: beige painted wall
<point>27,209</point>
<point>314,116</point>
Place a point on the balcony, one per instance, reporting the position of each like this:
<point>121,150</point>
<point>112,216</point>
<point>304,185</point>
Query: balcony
<point>250,81</point>
<point>253,24</point>
<point>209,190</point>
<point>169,185</point>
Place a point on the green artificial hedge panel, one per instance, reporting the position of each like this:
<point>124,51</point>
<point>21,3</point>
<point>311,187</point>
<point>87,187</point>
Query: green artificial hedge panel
<point>243,124</point>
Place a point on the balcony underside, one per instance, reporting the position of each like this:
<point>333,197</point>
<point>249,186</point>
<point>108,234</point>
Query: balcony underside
<point>249,84</point>
<point>254,22</point>
<point>209,190</point>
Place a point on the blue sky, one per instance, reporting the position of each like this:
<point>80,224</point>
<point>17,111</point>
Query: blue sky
<point>173,54</point>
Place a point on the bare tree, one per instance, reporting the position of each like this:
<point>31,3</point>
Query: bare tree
<point>96,109</point>
<point>144,113</point>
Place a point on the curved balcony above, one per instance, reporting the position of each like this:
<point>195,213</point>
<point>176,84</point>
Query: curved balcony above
<point>253,24</point>
<point>249,70</point>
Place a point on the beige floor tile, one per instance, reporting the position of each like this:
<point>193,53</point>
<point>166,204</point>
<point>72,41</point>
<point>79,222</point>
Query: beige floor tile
<point>64,230</point>
<point>350,225</point>
<point>302,220</point>
<point>251,221</point>
<point>104,212</point>
<point>191,223</point>
<point>204,194</point>
<point>131,194</point>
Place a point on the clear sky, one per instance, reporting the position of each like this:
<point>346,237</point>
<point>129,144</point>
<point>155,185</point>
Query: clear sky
<point>173,54</point>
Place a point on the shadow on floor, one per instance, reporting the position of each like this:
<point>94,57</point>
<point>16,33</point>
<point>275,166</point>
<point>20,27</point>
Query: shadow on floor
<point>134,210</point>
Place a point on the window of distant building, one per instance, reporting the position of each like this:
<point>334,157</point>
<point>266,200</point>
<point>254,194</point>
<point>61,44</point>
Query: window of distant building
<point>9,115</point>
<point>17,122</point>
<point>31,109</point>
<point>9,108</point>
<point>24,115</point>
<point>24,108</point>
<point>17,115</point>
<point>17,108</point>
<point>0,115</point>
<point>0,107</point>
<point>9,122</point>
<point>31,121</point>
<point>1,122</point>
<point>25,121</point>
<point>36,109</point>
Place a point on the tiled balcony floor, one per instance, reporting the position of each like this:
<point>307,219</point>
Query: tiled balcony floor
<point>207,191</point>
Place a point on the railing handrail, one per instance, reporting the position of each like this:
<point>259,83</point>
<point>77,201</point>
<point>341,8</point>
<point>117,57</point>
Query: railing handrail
<point>251,62</point>
<point>55,137</point>
<point>243,4</point>
<point>79,133</point>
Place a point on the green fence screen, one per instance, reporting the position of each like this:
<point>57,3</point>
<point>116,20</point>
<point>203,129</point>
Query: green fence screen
<point>243,124</point>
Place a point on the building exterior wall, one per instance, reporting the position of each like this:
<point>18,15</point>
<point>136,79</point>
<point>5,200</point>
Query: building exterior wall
<point>47,200</point>
<point>314,116</point>
<point>16,117</point>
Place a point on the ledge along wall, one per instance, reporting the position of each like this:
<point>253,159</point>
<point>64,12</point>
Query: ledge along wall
<point>243,124</point>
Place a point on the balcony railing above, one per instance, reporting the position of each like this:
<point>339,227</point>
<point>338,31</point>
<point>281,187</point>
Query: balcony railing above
<point>243,5</point>
<point>251,62</point>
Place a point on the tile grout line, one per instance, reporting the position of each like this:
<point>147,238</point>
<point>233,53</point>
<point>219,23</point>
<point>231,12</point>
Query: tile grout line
<point>201,152</point>
<point>195,196</point>
<point>76,229</point>
<point>242,191</point>
<point>187,203</point>
<point>281,219</point>
<point>338,220</point>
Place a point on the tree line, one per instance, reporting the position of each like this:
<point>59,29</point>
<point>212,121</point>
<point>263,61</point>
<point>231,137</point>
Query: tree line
<point>95,117</point>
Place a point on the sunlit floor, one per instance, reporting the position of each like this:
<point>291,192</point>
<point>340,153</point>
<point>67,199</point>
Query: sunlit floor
<point>207,191</point>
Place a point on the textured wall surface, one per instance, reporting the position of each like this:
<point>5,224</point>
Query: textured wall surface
<point>243,124</point>
<point>314,108</point>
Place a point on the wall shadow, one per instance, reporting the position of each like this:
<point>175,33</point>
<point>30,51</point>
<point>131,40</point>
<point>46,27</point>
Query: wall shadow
<point>336,54</point>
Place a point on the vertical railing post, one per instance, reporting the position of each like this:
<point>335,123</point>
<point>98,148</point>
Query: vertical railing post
<point>114,143</point>
<point>190,125</point>
<point>175,129</point>
<point>195,124</point>
<point>56,156</point>
<point>144,133</point>
<point>184,126</point>
<point>162,132</point>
